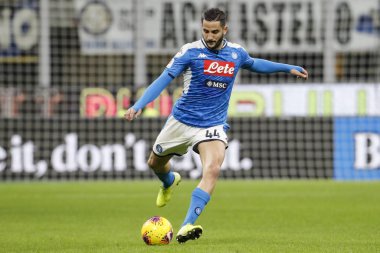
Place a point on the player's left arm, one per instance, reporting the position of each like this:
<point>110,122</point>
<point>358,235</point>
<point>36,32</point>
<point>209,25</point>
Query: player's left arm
<point>264,66</point>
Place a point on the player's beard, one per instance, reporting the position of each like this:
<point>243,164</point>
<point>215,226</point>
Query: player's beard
<point>217,43</point>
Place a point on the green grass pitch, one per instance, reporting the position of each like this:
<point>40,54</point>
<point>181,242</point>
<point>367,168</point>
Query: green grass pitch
<point>243,216</point>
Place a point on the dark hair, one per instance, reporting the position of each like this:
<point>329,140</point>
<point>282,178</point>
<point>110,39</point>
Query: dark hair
<point>215,14</point>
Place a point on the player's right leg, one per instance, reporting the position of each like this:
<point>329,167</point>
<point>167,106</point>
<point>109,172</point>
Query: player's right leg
<point>170,180</point>
<point>171,141</point>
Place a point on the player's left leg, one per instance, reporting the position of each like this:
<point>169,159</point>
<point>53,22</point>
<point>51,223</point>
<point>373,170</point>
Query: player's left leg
<point>161,167</point>
<point>212,155</point>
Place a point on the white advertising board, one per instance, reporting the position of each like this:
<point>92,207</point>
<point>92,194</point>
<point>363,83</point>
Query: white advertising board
<point>107,26</point>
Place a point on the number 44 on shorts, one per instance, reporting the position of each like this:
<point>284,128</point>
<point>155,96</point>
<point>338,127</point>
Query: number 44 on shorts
<point>211,134</point>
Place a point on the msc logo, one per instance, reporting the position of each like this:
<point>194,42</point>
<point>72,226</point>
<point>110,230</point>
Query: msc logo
<point>214,84</point>
<point>219,68</point>
<point>367,151</point>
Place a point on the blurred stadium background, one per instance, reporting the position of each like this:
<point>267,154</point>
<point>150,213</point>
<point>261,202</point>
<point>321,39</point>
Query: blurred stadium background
<point>70,68</point>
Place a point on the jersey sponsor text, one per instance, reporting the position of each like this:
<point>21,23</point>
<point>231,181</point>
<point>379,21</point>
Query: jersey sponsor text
<point>219,68</point>
<point>214,84</point>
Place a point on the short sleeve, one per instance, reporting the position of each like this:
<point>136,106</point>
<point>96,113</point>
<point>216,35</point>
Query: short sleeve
<point>179,62</point>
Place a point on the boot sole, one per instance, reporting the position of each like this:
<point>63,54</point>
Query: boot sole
<point>193,234</point>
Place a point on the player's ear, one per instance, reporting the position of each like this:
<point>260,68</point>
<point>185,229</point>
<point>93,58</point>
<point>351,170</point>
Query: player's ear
<point>225,30</point>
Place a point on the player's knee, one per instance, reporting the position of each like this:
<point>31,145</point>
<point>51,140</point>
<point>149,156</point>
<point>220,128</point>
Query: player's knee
<point>156,164</point>
<point>213,170</point>
<point>151,163</point>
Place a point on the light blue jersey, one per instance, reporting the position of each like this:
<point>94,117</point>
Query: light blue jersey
<point>208,79</point>
<point>209,76</point>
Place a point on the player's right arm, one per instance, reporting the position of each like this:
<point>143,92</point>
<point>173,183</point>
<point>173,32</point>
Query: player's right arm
<point>150,94</point>
<point>175,67</point>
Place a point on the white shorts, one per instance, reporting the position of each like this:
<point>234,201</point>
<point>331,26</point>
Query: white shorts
<point>176,138</point>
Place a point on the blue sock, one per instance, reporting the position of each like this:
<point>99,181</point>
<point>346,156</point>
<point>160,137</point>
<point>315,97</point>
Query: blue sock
<point>167,179</point>
<point>199,199</point>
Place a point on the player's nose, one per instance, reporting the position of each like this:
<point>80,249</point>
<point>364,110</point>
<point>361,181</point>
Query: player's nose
<point>209,37</point>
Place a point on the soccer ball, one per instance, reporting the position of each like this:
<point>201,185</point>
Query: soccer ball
<point>157,231</point>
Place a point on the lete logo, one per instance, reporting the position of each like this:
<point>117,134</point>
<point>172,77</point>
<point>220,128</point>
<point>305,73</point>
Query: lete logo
<point>219,68</point>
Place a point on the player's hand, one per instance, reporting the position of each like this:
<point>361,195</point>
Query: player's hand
<point>303,74</point>
<point>131,114</point>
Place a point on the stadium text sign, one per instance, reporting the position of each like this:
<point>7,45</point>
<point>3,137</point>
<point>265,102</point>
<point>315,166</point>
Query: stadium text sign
<point>100,102</point>
<point>367,151</point>
<point>306,100</point>
<point>22,158</point>
<point>19,30</point>
<point>72,157</point>
<point>357,148</point>
<point>258,25</point>
<point>250,101</point>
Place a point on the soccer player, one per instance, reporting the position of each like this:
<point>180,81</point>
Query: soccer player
<point>198,118</point>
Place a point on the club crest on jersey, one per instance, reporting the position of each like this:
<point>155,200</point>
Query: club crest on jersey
<point>159,148</point>
<point>219,68</point>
